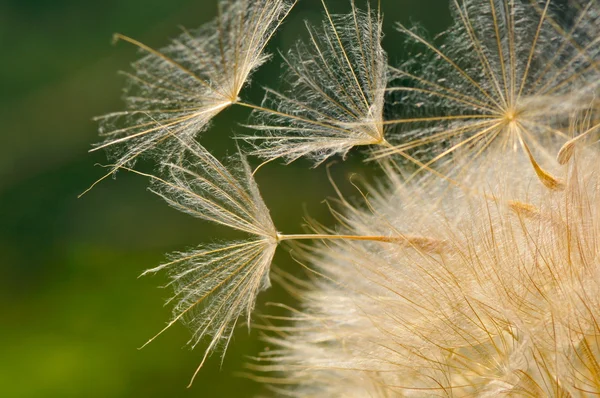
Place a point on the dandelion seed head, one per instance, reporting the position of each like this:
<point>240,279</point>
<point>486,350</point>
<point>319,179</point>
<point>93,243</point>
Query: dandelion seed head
<point>471,280</point>
<point>508,306</point>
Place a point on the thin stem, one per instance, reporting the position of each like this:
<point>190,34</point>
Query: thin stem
<point>387,239</point>
<point>421,243</point>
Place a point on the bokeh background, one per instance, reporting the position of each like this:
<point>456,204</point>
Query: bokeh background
<point>72,311</point>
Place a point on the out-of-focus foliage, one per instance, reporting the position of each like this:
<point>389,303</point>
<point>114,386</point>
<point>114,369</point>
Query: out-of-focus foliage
<point>72,309</point>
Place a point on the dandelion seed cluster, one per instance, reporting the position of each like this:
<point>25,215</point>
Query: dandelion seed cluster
<point>471,269</point>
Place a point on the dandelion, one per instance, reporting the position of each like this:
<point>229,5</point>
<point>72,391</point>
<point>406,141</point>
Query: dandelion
<point>509,75</point>
<point>336,95</point>
<point>177,90</point>
<point>508,306</point>
<point>470,280</point>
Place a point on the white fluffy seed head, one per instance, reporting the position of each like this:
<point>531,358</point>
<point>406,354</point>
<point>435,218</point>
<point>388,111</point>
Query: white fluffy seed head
<point>336,96</point>
<point>506,304</point>
<point>482,282</point>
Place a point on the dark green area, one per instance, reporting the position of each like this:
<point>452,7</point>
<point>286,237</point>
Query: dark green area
<point>72,309</point>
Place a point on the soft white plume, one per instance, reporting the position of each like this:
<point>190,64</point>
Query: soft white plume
<point>336,95</point>
<point>178,89</point>
<point>216,284</point>
<point>508,75</point>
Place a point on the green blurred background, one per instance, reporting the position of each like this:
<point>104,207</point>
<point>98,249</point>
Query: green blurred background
<point>72,309</point>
